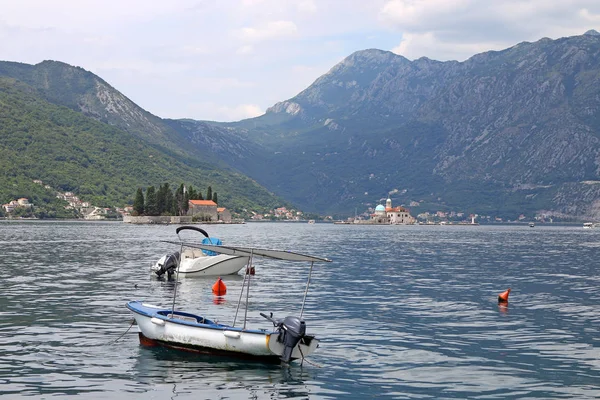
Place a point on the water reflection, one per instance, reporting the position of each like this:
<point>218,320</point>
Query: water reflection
<point>503,308</point>
<point>192,372</point>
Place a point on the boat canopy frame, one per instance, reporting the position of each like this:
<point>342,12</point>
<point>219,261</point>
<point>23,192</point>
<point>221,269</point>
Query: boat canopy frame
<point>250,252</point>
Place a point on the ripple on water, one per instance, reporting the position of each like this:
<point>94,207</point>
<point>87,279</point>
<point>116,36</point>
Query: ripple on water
<point>402,312</point>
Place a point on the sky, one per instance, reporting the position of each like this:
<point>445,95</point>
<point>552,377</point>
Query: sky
<point>226,60</point>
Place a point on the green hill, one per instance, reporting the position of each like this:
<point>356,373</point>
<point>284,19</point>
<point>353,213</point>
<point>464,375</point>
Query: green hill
<point>98,162</point>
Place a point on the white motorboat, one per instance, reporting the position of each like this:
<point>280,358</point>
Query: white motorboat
<point>285,342</point>
<point>197,262</point>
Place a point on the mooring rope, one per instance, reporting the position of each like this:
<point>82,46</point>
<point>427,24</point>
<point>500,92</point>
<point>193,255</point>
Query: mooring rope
<point>124,333</point>
<point>308,361</point>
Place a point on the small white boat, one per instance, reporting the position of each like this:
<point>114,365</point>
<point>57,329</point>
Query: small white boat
<point>285,342</point>
<point>196,262</point>
<point>590,225</point>
<point>311,221</point>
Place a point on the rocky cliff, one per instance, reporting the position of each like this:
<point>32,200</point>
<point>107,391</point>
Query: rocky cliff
<point>516,130</point>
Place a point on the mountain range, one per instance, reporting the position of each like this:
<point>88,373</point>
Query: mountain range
<point>72,130</point>
<point>503,133</point>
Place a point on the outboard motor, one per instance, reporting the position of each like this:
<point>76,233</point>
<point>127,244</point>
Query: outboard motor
<point>167,264</point>
<point>291,330</point>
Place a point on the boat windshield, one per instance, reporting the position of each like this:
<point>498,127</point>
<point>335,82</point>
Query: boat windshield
<point>211,240</point>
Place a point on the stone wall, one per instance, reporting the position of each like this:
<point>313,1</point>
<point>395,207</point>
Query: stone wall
<point>158,220</point>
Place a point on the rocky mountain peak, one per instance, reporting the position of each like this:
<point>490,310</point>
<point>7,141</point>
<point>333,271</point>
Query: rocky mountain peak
<point>525,115</point>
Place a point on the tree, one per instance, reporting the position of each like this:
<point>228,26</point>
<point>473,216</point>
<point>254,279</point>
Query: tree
<point>151,206</point>
<point>161,195</point>
<point>181,201</point>
<point>164,200</point>
<point>209,193</point>
<point>178,201</point>
<point>138,203</point>
<point>193,195</point>
<point>169,201</point>
<point>214,198</point>
<point>186,203</point>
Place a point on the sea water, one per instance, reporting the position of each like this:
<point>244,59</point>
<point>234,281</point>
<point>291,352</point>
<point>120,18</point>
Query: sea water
<point>403,312</point>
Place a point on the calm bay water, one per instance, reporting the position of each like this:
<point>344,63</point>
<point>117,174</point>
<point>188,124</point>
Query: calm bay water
<point>403,312</point>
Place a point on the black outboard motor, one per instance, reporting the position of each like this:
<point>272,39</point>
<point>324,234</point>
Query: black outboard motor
<point>291,330</point>
<point>169,265</point>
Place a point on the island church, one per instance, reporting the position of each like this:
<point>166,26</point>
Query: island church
<point>391,215</point>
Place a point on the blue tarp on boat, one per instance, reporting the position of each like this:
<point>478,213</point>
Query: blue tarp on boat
<point>212,240</point>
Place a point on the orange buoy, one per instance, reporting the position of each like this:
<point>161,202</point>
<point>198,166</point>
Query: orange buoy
<point>219,287</point>
<point>503,297</point>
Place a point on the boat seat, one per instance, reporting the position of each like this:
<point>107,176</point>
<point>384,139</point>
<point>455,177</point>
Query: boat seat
<point>182,317</point>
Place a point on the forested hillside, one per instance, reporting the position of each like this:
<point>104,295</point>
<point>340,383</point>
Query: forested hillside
<point>99,162</point>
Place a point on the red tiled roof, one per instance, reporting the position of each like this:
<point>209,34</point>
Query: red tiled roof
<point>203,202</point>
<point>220,209</point>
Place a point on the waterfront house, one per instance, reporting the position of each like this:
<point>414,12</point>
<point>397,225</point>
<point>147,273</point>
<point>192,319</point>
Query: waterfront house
<point>223,214</point>
<point>206,210</point>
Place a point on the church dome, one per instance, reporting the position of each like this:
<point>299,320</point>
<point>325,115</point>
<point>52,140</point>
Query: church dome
<point>380,209</point>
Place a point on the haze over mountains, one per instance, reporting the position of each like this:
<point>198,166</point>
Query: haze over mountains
<point>502,133</point>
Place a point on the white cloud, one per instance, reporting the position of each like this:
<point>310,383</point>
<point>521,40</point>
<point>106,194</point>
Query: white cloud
<point>80,15</point>
<point>410,14</point>
<point>223,112</point>
<point>247,49</point>
<point>247,111</point>
<point>271,30</point>
<point>308,6</point>
<point>458,29</point>
<point>588,16</point>
<point>416,45</point>
<point>142,66</point>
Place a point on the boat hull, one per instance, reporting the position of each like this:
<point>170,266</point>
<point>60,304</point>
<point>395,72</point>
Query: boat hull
<point>219,265</point>
<point>194,333</point>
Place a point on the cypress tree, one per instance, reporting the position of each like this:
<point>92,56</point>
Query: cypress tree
<point>209,193</point>
<point>138,203</point>
<point>151,206</point>
<point>161,198</point>
<point>186,203</point>
<point>214,198</point>
<point>191,193</point>
<point>178,203</point>
<point>170,205</point>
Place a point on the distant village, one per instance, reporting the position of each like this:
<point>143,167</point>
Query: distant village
<point>208,211</point>
<point>199,210</point>
<point>83,208</point>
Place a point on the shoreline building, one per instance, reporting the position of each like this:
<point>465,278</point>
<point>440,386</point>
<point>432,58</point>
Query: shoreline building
<point>207,210</point>
<point>203,209</point>
<point>391,215</point>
